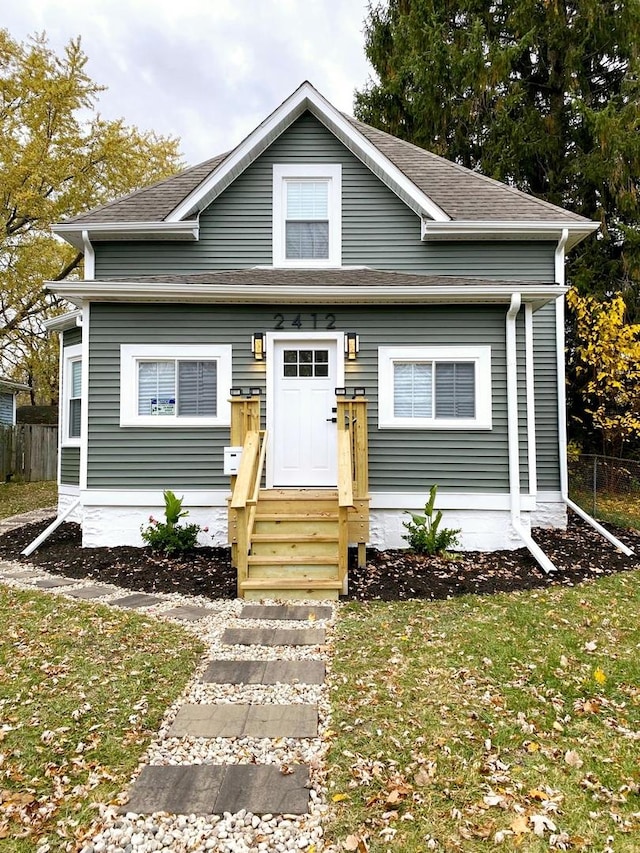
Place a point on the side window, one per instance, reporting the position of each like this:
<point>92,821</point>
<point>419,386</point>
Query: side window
<point>72,396</point>
<point>307,215</point>
<point>435,387</point>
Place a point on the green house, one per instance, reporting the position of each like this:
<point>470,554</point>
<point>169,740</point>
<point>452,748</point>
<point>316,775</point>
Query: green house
<point>318,263</point>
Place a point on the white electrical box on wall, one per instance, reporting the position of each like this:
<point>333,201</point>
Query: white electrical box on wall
<point>232,456</point>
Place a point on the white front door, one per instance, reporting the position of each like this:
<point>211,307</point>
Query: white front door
<point>303,373</point>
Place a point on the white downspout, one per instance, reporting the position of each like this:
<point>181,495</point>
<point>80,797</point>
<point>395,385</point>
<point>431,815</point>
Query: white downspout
<point>562,407</point>
<point>49,530</point>
<point>89,257</point>
<point>512,432</point>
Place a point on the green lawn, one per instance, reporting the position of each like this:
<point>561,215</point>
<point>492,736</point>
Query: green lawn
<point>83,689</point>
<point>623,510</point>
<point>22,497</point>
<point>511,719</point>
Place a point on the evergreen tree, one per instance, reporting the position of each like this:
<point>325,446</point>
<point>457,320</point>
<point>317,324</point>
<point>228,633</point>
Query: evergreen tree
<point>541,94</point>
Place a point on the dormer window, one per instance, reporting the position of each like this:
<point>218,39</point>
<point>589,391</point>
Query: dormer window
<point>307,220</point>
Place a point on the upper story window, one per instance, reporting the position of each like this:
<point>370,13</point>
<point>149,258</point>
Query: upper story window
<point>72,396</point>
<point>307,216</point>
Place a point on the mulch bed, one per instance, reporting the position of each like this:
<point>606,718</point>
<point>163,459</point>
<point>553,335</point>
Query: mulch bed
<point>579,553</point>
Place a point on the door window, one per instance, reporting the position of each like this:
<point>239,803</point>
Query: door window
<point>305,363</point>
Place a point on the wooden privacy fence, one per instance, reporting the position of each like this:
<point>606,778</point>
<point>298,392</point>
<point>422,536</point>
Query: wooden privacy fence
<point>28,452</point>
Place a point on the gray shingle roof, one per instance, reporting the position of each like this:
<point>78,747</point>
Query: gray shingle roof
<point>154,203</point>
<point>461,193</point>
<point>357,277</point>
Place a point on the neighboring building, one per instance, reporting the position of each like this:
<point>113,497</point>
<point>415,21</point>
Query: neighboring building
<point>8,392</point>
<point>354,260</point>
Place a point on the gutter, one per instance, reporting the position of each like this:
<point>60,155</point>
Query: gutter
<point>49,530</point>
<point>562,407</point>
<point>514,449</point>
<point>89,256</point>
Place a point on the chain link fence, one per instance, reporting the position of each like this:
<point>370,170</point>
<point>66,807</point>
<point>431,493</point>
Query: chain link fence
<point>605,487</point>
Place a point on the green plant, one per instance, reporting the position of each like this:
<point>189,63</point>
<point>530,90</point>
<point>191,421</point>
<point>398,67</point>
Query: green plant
<point>424,536</point>
<point>168,535</point>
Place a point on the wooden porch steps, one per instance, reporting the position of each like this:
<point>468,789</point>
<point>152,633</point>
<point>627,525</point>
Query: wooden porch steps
<point>294,545</point>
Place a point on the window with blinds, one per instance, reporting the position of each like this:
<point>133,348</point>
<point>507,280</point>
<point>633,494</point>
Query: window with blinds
<point>171,388</point>
<point>434,387</point>
<point>75,399</point>
<point>416,396</point>
<point>307,220</point>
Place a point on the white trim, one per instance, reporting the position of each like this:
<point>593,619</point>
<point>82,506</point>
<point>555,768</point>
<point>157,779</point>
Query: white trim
<point>89,257</point>
<point>332,174</point>
<point>508,229</point>
<point>153,497</point>
<point>562,400</point>
<point>393,294</point>
<point>72,355</point>
<point>296,338</point>
<point>480,356</point>
<point>305,97</point>
<point>63,322</point>
<point>131,354</point>
<point>96,231</point>
<point>60,409</point>
<point>68,490</point>
<point>84,430</point>
<point>531,399</point>
<point>450,500</point>
<point>512,407</point>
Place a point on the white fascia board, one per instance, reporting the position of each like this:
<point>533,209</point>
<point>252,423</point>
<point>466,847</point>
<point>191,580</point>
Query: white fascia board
<point>305,97</point>
<point>63,322</point>
<point>508,229</point>
<point>97,231</point>
<point>450,500</point>
<point>114,291</point>
<point>152,497</point>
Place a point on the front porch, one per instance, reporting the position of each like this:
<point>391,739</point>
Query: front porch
<point>292,543</point>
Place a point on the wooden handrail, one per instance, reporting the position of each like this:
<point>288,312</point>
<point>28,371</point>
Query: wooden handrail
<point>245,479</point>
<point>345,468</point>
<point>244,498</point>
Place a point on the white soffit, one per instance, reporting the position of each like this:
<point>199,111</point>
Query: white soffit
<point>507,230</point>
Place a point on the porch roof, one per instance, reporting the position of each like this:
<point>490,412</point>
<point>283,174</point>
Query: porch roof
<point>356,285</point>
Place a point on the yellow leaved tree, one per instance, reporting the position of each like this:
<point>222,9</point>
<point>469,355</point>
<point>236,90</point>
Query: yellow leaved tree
<point>606,356</point>
<point>58,158</point>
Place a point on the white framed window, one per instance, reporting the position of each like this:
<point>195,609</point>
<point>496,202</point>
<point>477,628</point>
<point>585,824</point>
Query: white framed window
<point>307,215</point>
<point>431,387</point>
<point>72,396</point>
<point>175,386</point>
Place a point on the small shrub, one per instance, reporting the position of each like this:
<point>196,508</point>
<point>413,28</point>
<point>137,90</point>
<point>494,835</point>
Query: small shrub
<point>168,535</point>
<point>424,536</point>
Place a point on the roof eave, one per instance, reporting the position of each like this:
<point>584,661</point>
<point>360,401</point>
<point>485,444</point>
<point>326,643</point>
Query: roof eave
<point>114,291</point>
<point>508,230</point>
<point>100,231</point>
<point>63,322</point>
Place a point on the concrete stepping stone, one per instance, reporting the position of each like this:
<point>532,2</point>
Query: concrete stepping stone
<point>136,599</point>
<point>238,720</point>
<point>265,672</point>
<point>295,612</point>
<point>53,583</point>
<point>213,789</point>
<point>273,636</point>
<point>188,612</point>
<point>21,574</point>
<point>89,592</point>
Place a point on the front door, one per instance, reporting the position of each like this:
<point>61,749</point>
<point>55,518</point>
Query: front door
<point>304,372</point>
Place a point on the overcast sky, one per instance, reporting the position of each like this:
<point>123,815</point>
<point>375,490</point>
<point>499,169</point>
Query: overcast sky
<point>207,71</point>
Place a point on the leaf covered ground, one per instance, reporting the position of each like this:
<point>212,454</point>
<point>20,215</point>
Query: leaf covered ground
<point>506,721</point>
<point>17,497</point>
<point>83,688</point>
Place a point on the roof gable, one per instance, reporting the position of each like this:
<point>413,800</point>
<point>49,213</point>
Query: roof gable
<point>439,191</point>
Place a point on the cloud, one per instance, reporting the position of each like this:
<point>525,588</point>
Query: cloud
<point>205,71</point>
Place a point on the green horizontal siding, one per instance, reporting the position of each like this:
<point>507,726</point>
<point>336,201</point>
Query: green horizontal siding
<point>400,460</point>
<point>70,466</point>
<point>71,337</point>
<point>546,385</point>
<point>378,229</point>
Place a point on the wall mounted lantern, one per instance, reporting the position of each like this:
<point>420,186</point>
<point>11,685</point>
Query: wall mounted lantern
<point>351,345</point>
<point>257,345</point>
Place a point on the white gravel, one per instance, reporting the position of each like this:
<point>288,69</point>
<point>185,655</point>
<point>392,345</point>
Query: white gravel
<point>242,832</point>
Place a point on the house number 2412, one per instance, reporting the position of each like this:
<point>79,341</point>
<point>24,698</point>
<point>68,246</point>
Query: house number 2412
<point>315,321</point>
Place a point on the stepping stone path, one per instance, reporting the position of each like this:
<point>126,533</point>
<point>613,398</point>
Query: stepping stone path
<point>257,788</point>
